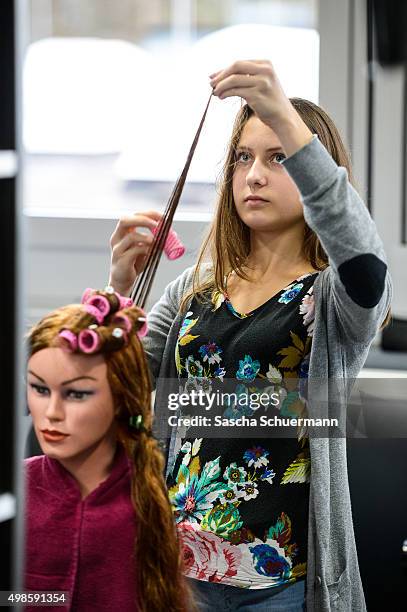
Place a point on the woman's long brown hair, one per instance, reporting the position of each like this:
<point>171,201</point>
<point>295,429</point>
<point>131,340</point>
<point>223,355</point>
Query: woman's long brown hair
<point>160,583</point>
<point>227,244</point>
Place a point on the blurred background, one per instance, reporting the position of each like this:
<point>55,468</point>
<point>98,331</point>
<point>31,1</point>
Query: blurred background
<point>100,104</point>
<point>113,95</point>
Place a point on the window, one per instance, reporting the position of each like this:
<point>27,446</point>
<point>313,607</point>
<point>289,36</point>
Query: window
<point>113,95</point>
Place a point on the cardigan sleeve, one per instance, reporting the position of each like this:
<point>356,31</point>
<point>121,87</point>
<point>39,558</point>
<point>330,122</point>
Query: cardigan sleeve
<point>160,320</point>
<point>361,285</point>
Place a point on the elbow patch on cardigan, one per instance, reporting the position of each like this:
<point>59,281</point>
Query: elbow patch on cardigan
<point>363,277</point>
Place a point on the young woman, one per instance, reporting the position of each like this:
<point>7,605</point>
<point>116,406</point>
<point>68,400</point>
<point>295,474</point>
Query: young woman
<point>98,522</point>
<point>296,286</point>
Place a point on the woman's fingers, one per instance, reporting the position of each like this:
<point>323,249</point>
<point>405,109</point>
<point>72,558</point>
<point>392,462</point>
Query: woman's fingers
<point>148,220</point>
<point>241,92</point>
<point>254,61</point>
<point>234,82</point>
<point>128,260</point>
<point>132,240</point>
<point>129,248</point>
<point>151,214</point>
<point>245,67</point>
<point>131,263</point>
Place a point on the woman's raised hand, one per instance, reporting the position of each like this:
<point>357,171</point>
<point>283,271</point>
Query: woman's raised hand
<point>129,248</point>
<point>256,82</point>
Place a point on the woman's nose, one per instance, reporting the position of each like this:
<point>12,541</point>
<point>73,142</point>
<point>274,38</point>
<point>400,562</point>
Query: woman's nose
<point>257,174</point>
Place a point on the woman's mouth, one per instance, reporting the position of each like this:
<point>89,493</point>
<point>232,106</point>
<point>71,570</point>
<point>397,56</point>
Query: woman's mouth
<point>53,435</point>
<point>255,201</point>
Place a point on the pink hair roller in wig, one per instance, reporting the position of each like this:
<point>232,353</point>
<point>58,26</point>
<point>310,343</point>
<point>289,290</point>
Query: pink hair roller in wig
<point>70,338</point>
<point>101,303</point>
<point>125,302</point>
<point>144,328</point>
<point>173,247</point>
<point>86,294</point>
<point>122,319</point>
<point>88,341</point>
<point>95,312</point>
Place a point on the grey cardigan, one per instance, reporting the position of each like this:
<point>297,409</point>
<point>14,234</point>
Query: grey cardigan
<point>352,297</point>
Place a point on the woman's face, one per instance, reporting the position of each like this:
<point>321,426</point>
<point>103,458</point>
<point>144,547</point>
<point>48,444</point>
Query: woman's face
<point>71,403</point>
<point>265,196</point>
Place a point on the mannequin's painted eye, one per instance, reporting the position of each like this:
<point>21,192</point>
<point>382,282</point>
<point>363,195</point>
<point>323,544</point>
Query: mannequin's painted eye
<point>39,389</point>
<point>75,394</point>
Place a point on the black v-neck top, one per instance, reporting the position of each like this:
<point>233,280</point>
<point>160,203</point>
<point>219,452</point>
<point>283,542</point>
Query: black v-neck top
<point>241,504</point>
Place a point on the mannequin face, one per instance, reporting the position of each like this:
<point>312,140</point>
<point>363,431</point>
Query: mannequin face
<point>70,402</point>
<point>259,174</point>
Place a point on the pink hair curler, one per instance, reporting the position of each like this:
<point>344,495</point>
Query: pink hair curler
<point>173,247</point>
<point>88,341</point>
<point>70,338</point>
<point>122,319</point>
<point>144,328</point>
<point>125,302</point>
<point>100,302</point>
<point>95,312</point>
<point>86,295</point>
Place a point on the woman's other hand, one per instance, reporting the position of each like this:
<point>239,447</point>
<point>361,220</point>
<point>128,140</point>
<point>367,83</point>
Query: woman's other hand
<point>129,249</point>
<point>256,82</point>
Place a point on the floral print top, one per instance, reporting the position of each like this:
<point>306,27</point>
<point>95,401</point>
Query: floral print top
<point>241,504</point>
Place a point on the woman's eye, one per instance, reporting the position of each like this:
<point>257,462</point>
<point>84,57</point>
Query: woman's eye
<point>278,157</point>
<point>40,389</point>
<point>243,156</point>
<point>78,395</point>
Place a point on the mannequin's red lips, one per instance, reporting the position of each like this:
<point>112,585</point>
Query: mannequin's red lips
<point>53,435</point>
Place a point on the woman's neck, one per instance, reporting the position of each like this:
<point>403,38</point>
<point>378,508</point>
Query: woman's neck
<point>272,256</point>
<point>93,466</point>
